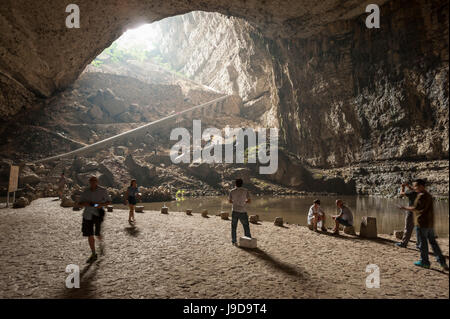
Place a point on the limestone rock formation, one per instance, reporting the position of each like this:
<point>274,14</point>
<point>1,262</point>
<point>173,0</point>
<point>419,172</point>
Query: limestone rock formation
<point>143,173</point>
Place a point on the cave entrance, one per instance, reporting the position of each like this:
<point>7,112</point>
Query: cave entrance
<point>161,71</point>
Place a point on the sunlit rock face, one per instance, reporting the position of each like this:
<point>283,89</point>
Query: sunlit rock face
<point>225,53</point>
<point>346,95</point>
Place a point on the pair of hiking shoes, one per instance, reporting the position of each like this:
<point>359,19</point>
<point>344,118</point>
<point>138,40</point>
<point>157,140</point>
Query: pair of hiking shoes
<point>420,263</point>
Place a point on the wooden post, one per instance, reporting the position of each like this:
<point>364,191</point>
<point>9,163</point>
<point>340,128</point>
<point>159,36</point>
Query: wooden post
<point>13,183</point>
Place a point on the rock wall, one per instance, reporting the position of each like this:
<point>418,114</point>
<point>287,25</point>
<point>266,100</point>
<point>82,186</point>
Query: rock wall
<point>354,94</point>
<point>347,96</point>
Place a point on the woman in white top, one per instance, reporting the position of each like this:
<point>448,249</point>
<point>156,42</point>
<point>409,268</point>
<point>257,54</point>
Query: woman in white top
<point>315,215</point>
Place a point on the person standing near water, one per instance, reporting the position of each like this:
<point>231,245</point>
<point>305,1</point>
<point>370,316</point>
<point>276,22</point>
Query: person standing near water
<point>409,217</point>
<point>94,198</point>
<point>131,199</point>
<point>424,220</point>
<point>239,197</point>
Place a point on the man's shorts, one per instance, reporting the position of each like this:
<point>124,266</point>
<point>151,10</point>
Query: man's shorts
<point>132,200</point>
<point>343,222</point>
<point>88,226</point>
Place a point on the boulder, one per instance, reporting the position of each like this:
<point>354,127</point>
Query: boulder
<point>399,234</point>
<point>83,178</point>
<point>278,221</point>
<point>21,202</point>
<point>27,176</point>
<point>224,215</point>
<point>89,166</point>
<point>112,104</point>
<point>127,117</point>
<point>76,193</point>
<point>239,172</point>
<point>139,209</point>
<point>232,105</point>
<point>349,230</point>
<point>253,219</point>
<point>107,178</point>
<point>247,242</point>
<point>95,112</point>
<point>205,171</point>
<point>41,170</point>
<point>107,100</point>
<point>204,213</point>
<point>368,227</point>
<point>121,150</point>
<point>144,174</point>
<point>189,212</point>
<point>67,202</point>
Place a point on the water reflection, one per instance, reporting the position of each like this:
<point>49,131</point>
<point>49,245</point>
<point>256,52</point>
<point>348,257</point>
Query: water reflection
<point>294,209</point>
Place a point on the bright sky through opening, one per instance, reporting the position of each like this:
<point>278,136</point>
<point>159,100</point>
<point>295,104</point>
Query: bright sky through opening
<point>143,37</point>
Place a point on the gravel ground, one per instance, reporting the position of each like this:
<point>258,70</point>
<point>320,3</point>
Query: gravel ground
<point>180,256</point>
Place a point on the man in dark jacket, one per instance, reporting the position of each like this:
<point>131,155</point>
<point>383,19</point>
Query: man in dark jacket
<point>424,220</point>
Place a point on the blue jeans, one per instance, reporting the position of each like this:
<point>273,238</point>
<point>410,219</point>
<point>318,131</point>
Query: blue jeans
<point>425,235</point>
<point>243,217</point>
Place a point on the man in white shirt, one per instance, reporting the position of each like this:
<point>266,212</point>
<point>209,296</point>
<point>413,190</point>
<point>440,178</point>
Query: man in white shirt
<point>315,215</point>
<point>239,197</point>
<point>94,198</point>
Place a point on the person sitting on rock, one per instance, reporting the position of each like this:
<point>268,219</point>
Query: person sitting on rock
<point>131,199</point>
<point>344,218</point>
<point>239,197</point>
<point>315,215</point>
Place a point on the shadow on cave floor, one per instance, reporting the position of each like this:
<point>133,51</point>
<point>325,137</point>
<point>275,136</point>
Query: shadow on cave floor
<point>276,264</point>
<point>132,230</point>
<point>379,240</point>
